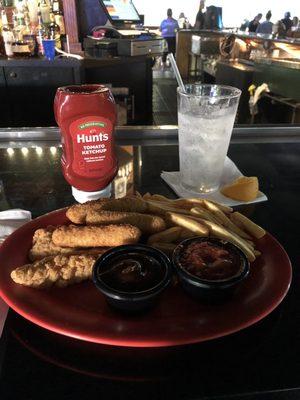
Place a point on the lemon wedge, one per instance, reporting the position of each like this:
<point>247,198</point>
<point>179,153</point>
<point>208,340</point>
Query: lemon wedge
<point>243,188</point>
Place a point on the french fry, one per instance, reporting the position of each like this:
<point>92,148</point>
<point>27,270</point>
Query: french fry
<point>236,221</point>
<point>221,233</point>
<point>182,203</point>
<point>168,236</point>
<point>197,227</point>
<point>166,248</point>
<point>161,208</point>
<point>203,218</point>
<point>224,220</point>
<point>196,202</point>
<point>199,219</point>
<point>251,244</point>
<point>200,212</point>
<point>255,230</point>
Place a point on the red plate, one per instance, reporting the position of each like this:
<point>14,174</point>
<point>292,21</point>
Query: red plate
<point>80,311</point>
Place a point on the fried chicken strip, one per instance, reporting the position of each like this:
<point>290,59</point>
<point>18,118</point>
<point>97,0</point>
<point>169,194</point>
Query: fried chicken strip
<point>60,271</point>
<point>43,246</point>
<point>94,236</point>
<point>148,224</point>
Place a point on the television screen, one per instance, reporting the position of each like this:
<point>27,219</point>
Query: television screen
<point>121,10</point>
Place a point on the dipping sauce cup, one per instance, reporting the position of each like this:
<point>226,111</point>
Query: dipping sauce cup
<point>132,277</point>
<point>210,269</point>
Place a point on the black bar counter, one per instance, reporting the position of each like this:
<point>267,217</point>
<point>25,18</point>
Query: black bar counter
<point>258,363</point>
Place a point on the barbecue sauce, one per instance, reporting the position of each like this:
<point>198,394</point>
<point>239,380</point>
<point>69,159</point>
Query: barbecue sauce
<point>132,272</point>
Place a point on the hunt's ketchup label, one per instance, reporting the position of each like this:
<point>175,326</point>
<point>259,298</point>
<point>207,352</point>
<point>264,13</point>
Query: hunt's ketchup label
<point>86,116</point>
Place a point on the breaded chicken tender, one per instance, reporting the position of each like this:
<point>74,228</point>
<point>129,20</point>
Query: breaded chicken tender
<point>146,223</point>
<point>43,246</point>
<point>60,271</point>
<point>94,236</point>
<point>77,212</point>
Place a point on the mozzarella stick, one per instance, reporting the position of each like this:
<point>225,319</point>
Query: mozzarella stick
<point>128,204</point>
<point>77,212</point>
<point>42,246</point>
<point>168,236</point>
<point>95,236</point>
<point>197,227</point>
<point>148,224</point>
<point>255,230</point>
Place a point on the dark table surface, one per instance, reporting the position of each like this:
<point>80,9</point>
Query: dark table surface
<point>260,362</point>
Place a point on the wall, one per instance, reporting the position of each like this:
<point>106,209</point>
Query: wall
<point>234,11</point>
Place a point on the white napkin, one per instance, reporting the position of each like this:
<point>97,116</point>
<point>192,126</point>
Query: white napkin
<point>10,220</point>
<point>230,173</point>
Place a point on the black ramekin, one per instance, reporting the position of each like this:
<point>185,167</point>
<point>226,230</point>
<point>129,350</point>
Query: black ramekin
<point>135,301</point>
<point>211,291</point>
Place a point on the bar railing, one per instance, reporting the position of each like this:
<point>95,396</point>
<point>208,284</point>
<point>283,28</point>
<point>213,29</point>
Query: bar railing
<point>165,134</point>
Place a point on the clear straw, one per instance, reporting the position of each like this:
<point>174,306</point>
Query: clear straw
<point>176,72</point>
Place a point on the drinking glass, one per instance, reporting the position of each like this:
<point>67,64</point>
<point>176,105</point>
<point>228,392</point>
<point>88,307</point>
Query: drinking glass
<point>206,115</point>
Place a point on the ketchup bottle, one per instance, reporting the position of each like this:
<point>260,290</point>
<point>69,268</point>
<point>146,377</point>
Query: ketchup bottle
<point>86,116</point>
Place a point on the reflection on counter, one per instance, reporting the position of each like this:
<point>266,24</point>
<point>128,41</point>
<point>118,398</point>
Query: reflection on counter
<point>243,60</point>
<point>27,183</point>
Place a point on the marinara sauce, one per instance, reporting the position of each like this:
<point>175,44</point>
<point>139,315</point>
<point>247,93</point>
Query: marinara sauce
<point>211,261</point>
<point>86,116</point>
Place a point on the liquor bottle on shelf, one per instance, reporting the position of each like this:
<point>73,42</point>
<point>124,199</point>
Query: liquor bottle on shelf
<point>26,11</point>
<point>54,31</point>
<point>40,34</point>
<point>29,35</point>
<point>20,47</point>
<point>8,36</point>
<point>33,11</point>
<point>7,3</point>
<point>45,11</point>
<point>59,18</point>
<point>55,6</point>
<point>20,4</point>
<point>27,29</point>
<point>2,49</point>
<point>16,27</point>
<point>21,21</point>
